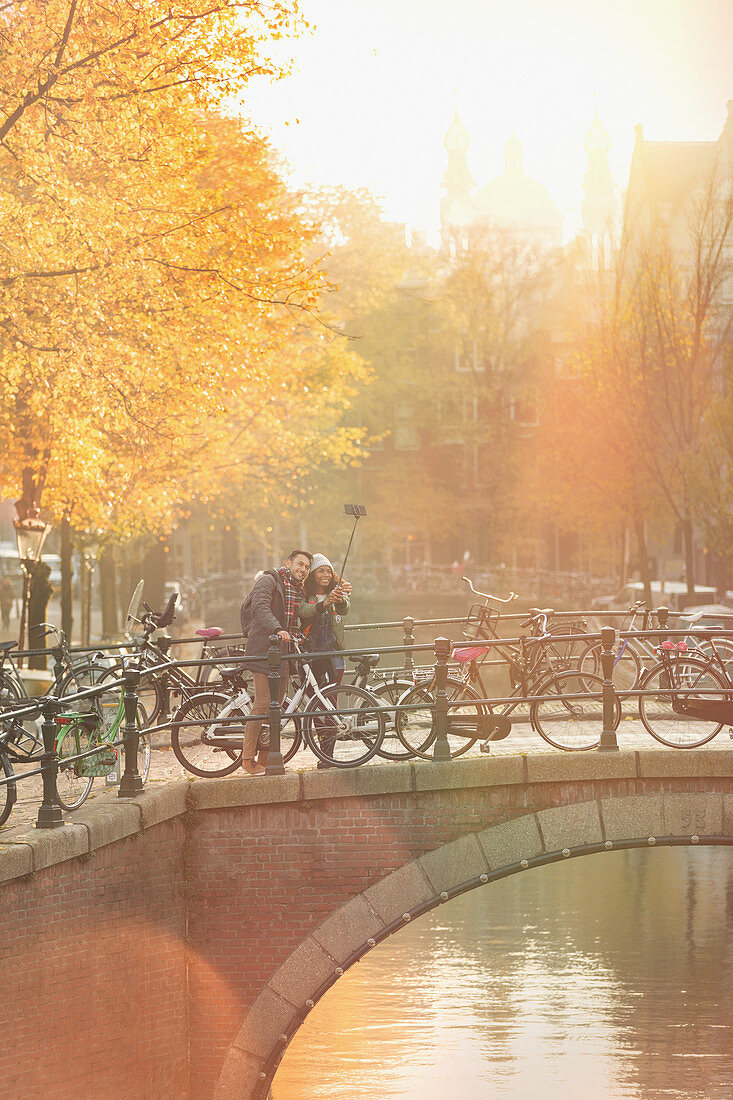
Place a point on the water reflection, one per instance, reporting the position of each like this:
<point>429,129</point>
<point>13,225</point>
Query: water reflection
<point>607,976</point>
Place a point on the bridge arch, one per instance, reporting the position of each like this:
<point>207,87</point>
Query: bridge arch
<point>528,841</point>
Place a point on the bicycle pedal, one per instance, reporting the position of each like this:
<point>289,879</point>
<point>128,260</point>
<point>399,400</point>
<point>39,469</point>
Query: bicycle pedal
<point>485,747</point>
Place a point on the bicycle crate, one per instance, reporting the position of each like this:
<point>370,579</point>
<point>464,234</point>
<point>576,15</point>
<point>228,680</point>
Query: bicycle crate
<point>481,622</point>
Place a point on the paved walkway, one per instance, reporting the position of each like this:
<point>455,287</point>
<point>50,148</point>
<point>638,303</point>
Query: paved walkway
<point>164,767</point>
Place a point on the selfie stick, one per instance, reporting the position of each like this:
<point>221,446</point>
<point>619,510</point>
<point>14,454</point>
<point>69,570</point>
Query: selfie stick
<point>357,511</point>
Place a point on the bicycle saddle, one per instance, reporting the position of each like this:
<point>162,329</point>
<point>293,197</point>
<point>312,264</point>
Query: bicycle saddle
<point>693,618</point>
<point>231,673</point>
<point>371,660</point>
<point>533,611</point>
<point>210,632</point>
<point>5,646</point>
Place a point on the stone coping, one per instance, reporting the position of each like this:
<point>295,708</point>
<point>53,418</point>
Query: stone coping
<point>110,818</point>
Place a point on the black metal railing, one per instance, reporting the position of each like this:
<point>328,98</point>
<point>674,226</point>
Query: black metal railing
<point>132,784</point>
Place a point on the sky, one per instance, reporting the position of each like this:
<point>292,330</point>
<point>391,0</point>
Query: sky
<point>375,85</point>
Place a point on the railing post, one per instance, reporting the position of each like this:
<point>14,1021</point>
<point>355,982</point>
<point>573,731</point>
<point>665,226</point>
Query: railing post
<point>132,782</point>
<point>275,765</point>
<point>408,627</point>
<point>609,741</point>
<point>441,747</point>
<point>164,645</point>
<point>58,663</point>
<point>49,812</point>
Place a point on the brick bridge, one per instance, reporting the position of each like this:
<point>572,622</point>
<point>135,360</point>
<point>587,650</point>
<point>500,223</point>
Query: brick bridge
<point>171,945</point>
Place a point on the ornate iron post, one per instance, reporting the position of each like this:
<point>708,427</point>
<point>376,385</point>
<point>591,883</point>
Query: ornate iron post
<point>164,645</point>
<point>132,782</point>
<point>275,765</point>
<point>408,627</point>
<point>58,663</point>
<point>441,747</point>
<point>49,812</point>
<point>608,742</point>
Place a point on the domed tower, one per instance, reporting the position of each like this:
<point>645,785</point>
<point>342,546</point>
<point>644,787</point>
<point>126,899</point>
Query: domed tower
<point>458,183</point>
<point>599,207</point>
<point>518,203</point>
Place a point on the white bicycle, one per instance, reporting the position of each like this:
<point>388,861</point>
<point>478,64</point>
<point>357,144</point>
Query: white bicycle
<point>342,724</point>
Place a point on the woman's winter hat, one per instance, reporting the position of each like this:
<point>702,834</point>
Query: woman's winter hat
<point>318,561</point>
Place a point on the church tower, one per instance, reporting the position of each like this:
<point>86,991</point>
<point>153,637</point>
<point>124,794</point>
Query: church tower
<point>598,208</point>
<point>458,183</point>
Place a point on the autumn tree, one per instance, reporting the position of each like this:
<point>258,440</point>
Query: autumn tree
<point>156,295</point>
<point>657,348</point>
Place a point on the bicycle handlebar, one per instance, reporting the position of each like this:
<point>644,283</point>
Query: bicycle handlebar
<point>487,596</point>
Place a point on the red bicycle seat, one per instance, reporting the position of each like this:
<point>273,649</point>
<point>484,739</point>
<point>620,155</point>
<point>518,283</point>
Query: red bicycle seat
<point>210,632</point>
<point>470,653</point>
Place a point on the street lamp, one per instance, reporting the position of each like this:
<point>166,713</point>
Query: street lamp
<point>30,535</point>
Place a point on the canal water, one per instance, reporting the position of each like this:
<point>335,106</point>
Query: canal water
<point>608,976</point>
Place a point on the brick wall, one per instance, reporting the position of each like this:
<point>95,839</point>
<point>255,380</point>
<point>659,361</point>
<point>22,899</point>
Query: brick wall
<point>129,971</point>
<point>94,990</point>
<point>261,878</point>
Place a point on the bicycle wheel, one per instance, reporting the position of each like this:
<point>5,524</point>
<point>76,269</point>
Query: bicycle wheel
<point>202,747</point>
<point>416,726</point>
<point>344,740</point>
<point>12,688</point>
<point>564,654</point>
<point>390,692</point>
<point>723,647</point>
<point>72,789</point>
<point>627,666</point>
<point>571,724</point>
<point>8,791</point>
<point>82,677</point>
<point>291,733</point>
<point>691,678</point>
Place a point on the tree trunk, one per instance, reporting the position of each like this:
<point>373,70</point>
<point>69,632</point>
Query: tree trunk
<point>108,591</point>
<point>41,592</point>
<point>67,575</point>
<point>230,562</point>
<point>154,564</point>
<point>688,537</point>
<point>643,560</point>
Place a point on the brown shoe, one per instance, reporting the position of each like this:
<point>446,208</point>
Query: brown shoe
<point>251,767</point>
<point>262,757</point>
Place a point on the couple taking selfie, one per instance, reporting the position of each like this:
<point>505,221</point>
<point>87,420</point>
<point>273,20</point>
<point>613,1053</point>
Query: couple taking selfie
<point>301,600</point>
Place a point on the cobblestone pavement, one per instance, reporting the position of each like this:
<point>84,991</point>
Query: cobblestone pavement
<point>164,767</point>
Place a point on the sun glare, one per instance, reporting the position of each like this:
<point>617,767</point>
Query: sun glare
<point>376,84</point>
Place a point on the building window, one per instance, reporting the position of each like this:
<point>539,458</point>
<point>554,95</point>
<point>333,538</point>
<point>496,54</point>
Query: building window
<point>467,360</point>
<point>406,436</point>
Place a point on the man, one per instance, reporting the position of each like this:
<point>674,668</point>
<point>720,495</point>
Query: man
<point>271,608</point>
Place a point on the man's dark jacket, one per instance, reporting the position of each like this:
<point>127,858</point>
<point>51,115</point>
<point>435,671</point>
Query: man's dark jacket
<point>268,613</point>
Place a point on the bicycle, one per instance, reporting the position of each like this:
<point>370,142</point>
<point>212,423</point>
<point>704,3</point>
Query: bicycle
<point>570,719</point>
<point>389,690</point>
<point>692,700</point>
<point>12,688</point>
<point>156,665</point>
<point>80,731</point>
<point>17,746</point>
<point>211,746</point>
<point>634,654</point>
<point>75,674</point>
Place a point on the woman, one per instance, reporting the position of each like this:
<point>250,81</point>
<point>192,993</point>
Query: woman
<point>322,611</point>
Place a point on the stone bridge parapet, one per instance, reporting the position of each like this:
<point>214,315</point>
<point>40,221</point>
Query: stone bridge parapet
<point>202,920</point>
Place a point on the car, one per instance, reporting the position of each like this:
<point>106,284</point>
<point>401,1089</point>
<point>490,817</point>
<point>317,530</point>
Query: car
<point>671,594</point>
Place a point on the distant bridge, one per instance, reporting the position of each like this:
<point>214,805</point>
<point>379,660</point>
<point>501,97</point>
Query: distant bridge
<point>171,945</point>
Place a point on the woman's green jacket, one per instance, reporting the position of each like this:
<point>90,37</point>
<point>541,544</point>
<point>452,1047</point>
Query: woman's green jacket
<point>310,609</point>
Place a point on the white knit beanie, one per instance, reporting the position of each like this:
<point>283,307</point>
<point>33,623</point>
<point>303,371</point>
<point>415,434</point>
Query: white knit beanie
<point>318,561</point>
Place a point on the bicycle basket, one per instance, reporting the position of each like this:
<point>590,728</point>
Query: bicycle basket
<point>481,622</point>
<point>99,764</point>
